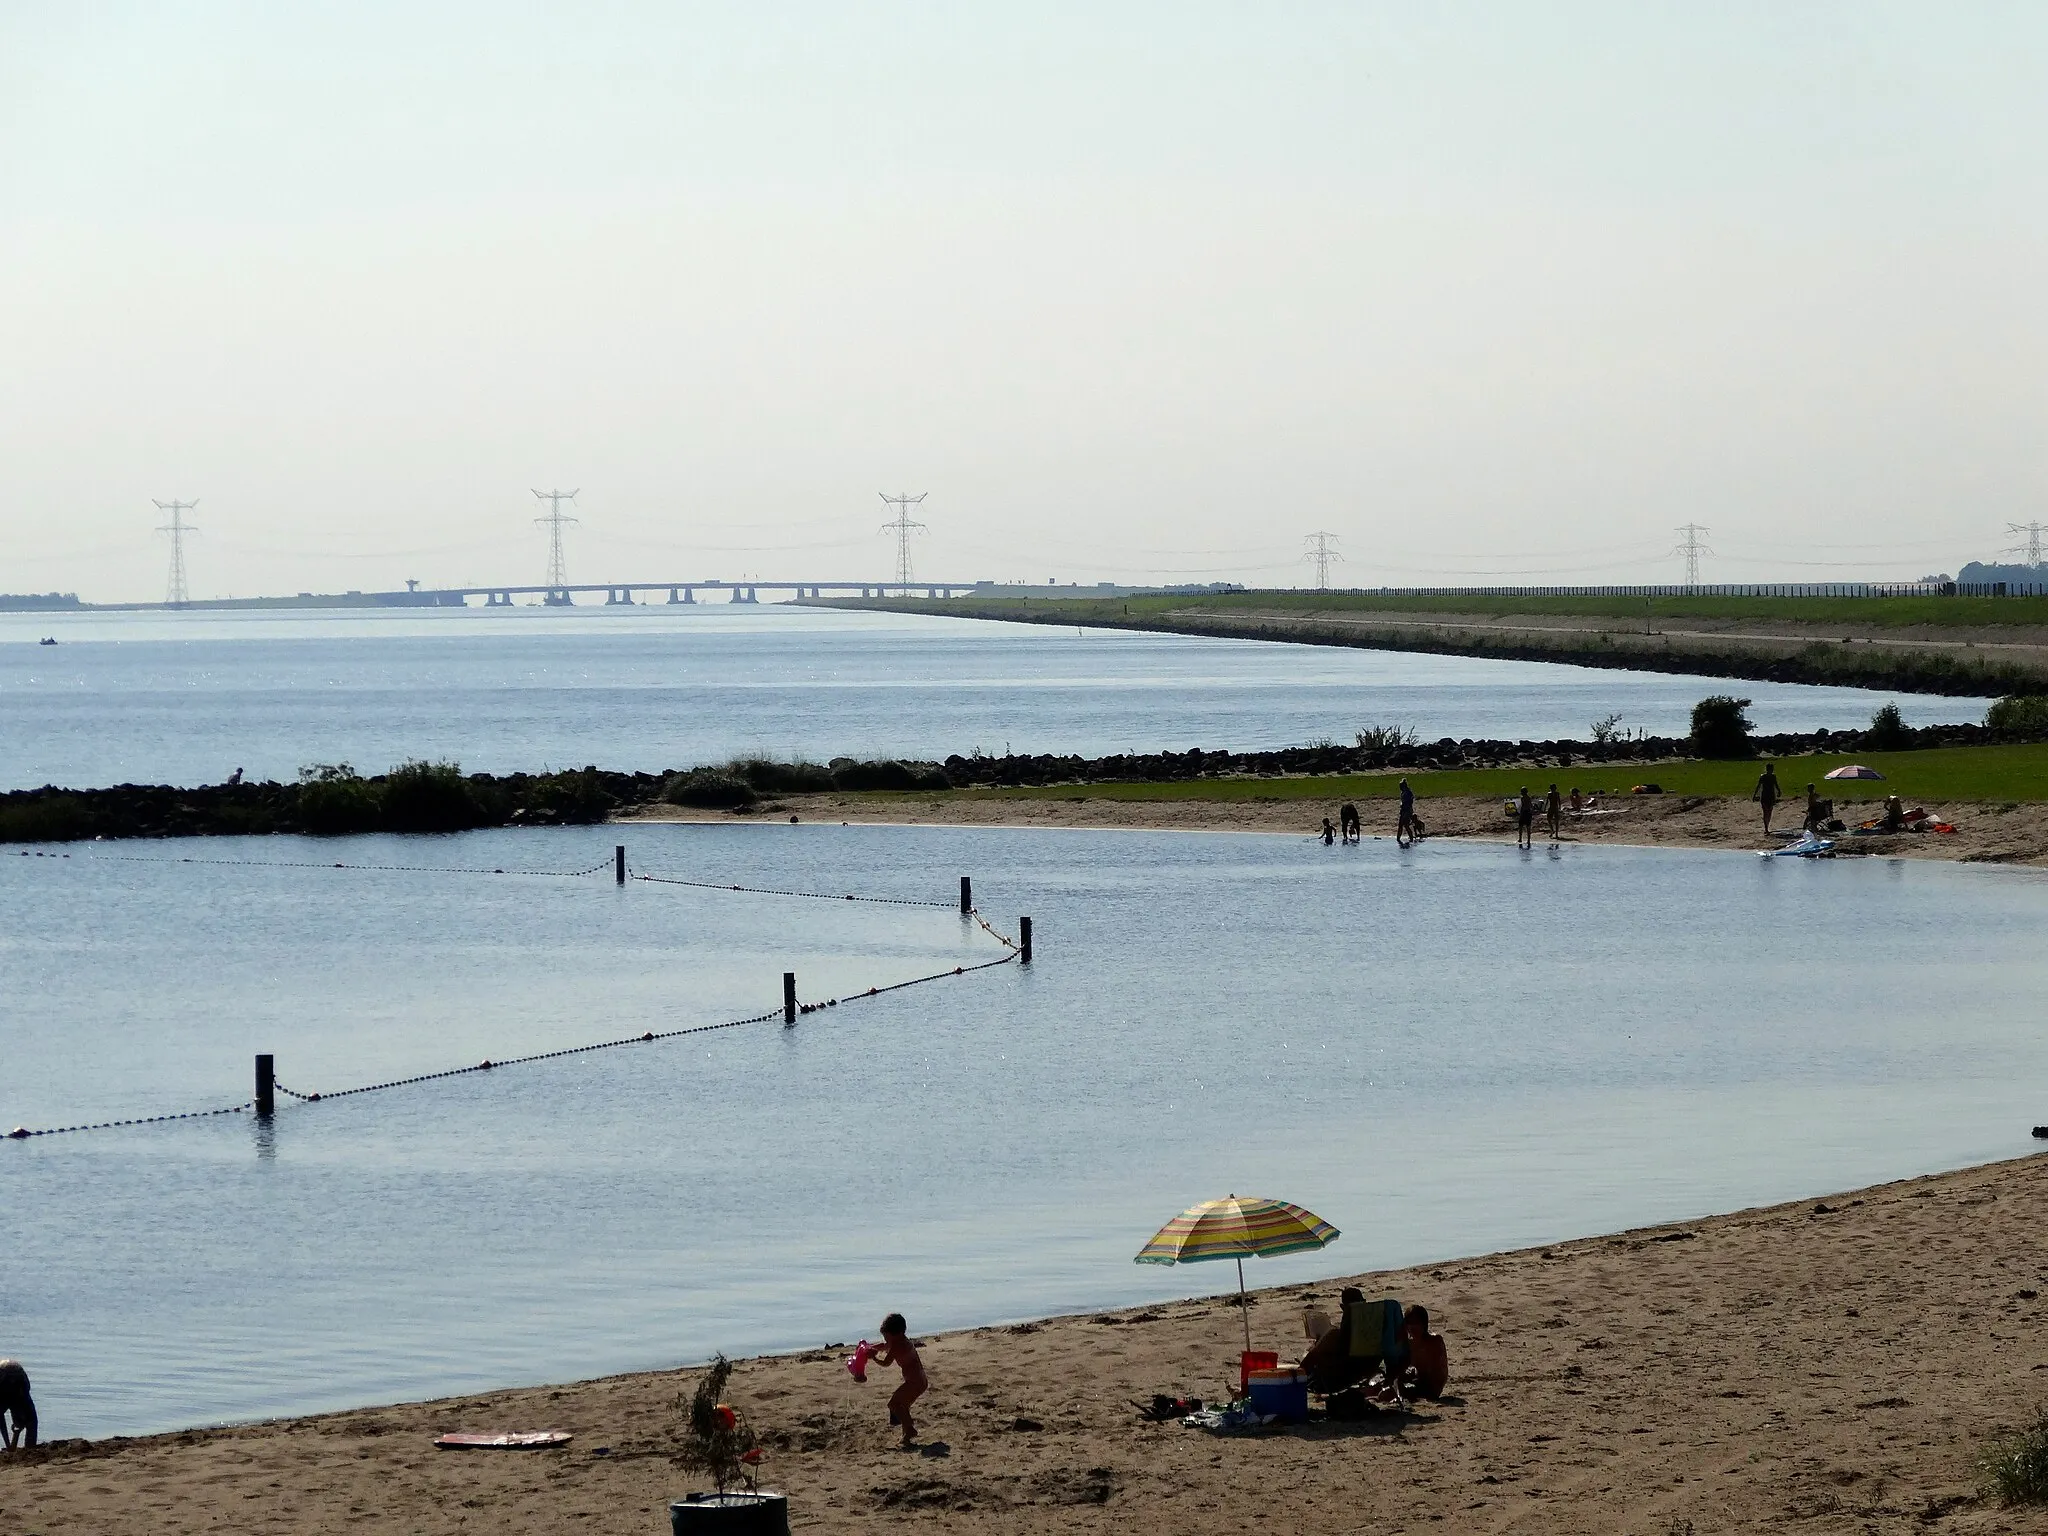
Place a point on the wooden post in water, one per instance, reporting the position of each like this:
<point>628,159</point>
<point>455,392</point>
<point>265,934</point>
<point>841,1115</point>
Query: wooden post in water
<point>266,1085</point>
<point>788,998</point>
<point>1024,940</point>
<point>619,864</point>
<point>966,896</point>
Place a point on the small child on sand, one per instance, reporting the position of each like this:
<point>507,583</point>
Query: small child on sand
<point>897,1350</point>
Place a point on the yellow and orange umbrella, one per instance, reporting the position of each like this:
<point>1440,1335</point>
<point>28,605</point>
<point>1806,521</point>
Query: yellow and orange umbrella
<point>1233,1228</point>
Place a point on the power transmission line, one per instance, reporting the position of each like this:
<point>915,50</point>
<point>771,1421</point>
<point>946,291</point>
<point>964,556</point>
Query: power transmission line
<point>174,593</point>
<point>1692,549</point>
<point>1321,556</point>
<point>902,528</point>
<point>2032,548</point>
<point>552,519</point>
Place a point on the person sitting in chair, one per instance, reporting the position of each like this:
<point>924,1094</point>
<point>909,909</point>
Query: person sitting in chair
<point>1382,1346</point>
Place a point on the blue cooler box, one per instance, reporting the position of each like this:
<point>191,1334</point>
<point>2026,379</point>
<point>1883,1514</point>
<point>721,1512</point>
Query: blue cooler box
<point>1280,1394</point>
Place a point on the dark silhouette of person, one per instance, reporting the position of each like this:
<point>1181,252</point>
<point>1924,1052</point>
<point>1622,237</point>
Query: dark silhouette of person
<point>17,1408</point>
<point>1767,794</point>
<point>1347,822</point>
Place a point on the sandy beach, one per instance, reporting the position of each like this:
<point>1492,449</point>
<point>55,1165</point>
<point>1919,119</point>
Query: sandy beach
<point>1829,1366</point>
<point>1991,834</point>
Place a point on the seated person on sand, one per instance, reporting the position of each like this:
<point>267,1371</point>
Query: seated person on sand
<point>1378,1339</point>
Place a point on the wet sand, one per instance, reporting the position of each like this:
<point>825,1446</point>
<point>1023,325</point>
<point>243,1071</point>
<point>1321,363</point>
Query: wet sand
<point>1993,834</point>
<point>1824,1367</point>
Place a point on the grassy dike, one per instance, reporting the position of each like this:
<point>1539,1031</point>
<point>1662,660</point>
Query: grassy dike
<point>1984,775</point>
<point>1956,646</point>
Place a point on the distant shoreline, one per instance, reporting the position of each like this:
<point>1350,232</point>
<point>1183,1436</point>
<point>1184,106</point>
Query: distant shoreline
<point>1973,647</point>
<point>1993,833</point>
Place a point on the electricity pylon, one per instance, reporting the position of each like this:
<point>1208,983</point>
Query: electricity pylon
<point>175,594</point>
<point>1321,556</point>
<point>2032,548</point>
<point>552,519</point>
<point>902,528</point>
<point>1691,547</point>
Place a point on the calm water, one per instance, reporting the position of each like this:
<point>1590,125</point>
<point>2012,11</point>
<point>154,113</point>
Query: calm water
<point>188,698</point>
<point>1444,1052</point>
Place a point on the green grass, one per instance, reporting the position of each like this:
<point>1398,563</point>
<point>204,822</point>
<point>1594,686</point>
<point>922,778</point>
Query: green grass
<point>2014,1469</point>
<point>1995,774</point>
<point>1890,612</point>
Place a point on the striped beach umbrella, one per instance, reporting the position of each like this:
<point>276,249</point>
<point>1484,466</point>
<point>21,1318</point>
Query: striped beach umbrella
<point>1233,1228</point>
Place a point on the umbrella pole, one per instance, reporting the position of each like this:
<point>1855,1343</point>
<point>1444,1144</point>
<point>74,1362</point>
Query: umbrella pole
<point>1244,1306</point>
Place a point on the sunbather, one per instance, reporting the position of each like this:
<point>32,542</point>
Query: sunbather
<point>1378,1339</point>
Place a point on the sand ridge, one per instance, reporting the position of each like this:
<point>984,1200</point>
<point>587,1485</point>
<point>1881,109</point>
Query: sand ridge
<point>1822,1367</point>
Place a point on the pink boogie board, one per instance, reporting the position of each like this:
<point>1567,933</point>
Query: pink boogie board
<point>534,1440</point>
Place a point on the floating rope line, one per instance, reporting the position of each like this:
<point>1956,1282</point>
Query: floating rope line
<point>761,890</point>
<point>22,1132</point>
<point>401,869</point>
<point>648,1037</point>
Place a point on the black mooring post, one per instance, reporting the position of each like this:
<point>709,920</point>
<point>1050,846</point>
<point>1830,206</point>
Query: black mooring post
<point>788,998</point>
<point>1024,940</point>
<point>266,1085</point>
<point>619,864</point>
<point>966,896</point>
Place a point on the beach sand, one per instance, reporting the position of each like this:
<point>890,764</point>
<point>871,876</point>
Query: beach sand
<point>1825,1367</point>
<point>1993,834</point>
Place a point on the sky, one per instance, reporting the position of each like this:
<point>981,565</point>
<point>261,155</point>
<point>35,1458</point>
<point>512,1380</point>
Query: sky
<point>1133,292</point>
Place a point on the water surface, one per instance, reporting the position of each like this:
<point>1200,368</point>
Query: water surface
<point>186,698</point>
<point>1444,1052</point>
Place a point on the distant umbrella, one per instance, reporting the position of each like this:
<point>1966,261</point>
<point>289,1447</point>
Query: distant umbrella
<point>1853,771</point>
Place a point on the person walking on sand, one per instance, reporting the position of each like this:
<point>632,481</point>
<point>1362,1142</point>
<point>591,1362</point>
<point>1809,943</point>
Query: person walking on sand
<point>897,1350</point>
<point>1767,794</point>
<point>1553,806</point>
<point>17,1408</point>
<point>1525,820</point>
<point>1404,828</point>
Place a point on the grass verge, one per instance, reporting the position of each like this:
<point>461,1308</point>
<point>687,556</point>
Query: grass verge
<point>1999,774</point>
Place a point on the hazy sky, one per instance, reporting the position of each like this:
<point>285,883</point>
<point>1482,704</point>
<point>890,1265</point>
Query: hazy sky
<point>1132,291</point>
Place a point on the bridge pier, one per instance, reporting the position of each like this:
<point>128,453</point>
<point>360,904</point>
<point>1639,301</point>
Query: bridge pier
<point>687,597</point>
<point>617,597</point>
<point>497,599</point>
<point>558,597</point>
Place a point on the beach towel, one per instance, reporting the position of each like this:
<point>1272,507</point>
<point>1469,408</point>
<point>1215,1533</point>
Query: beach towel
<point>1373,1332</point>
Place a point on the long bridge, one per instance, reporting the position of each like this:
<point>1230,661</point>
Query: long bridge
<point>623,594</point>
<point>615,594</point>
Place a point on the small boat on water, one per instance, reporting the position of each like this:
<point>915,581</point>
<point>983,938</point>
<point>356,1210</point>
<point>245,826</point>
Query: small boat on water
<point>47,640</point>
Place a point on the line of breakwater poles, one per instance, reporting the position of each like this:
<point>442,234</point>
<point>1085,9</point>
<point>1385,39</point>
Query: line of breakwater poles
<point>266,1062</point>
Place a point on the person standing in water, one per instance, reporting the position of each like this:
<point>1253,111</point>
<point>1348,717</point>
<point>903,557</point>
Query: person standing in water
<point>1767,794</point>
<point>1525,820</point>
<point>1553,805</point>
<point>1404,829</point>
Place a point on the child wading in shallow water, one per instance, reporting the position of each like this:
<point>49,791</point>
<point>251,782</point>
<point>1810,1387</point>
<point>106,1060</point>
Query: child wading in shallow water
<point>897,1350</point>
